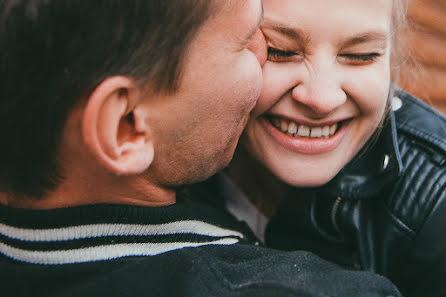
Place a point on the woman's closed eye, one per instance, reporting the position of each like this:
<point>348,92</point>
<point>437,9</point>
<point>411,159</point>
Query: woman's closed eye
<point>360,59</point>
<point>277,55</point>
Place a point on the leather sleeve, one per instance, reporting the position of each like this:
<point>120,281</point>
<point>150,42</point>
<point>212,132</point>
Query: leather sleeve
<point>416,245</point>
<point>429,252</point>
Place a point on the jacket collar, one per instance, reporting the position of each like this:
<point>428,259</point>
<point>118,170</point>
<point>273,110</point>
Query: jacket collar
<point>375,166</point>
<point>105,231</point>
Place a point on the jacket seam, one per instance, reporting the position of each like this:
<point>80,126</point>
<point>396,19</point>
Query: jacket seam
<point>425,107</point>
<point>400,225</point>
<point>428,137</point>
<point>422,218</point>
<point>432,208</point>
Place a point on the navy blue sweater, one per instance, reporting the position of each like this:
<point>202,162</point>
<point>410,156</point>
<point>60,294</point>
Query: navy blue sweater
<point>186,249</point>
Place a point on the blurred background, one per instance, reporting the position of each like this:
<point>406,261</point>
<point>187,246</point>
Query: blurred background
<point>428,43</point>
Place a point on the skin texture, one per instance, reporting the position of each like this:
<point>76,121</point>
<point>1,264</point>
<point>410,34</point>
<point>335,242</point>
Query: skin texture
<point>127,144</point>
<point>197,129</point>
<point>322,68</point>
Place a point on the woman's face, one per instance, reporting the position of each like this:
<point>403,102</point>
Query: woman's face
<point>326,84</point>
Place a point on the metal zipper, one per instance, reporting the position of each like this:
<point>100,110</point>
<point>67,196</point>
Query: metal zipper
<point>333,213</point>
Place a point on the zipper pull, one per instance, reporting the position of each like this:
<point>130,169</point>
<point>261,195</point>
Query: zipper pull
<point>334,211</point>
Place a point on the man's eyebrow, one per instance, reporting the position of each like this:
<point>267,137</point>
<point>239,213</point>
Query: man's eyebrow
<point>292,33</point>
<point>372,36</point>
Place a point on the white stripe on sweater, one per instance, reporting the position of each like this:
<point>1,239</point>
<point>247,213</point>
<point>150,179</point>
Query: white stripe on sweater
<point>105,252</point>
<point>98,230</point>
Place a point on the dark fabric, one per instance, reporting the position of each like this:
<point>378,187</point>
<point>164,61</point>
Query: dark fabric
<point>240,269</point>
<point>390,220</point>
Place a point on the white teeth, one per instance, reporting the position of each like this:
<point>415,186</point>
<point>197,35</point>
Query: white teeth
<point>284,126</point>
<point>326,131</point>
<point>294,129</point>
<point>303,131</point>
<point>316,132</point>
<point>333,128</point>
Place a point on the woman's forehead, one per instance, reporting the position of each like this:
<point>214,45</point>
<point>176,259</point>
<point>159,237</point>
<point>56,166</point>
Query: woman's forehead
<point>314,17</point>
<point>288,9</point>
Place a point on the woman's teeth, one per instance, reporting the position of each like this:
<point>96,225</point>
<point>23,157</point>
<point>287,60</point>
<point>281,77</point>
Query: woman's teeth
<point>294,129</point>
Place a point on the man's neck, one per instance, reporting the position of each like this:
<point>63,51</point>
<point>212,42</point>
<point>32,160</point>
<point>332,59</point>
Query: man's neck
<point>124,190</point>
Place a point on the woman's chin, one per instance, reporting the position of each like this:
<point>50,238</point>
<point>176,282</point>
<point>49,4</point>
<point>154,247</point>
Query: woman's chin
<point>303,177</point>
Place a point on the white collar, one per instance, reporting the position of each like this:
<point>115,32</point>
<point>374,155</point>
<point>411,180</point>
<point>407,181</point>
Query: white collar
<point>237,204</point>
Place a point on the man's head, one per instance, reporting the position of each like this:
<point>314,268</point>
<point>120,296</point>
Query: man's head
<point>160,87</point>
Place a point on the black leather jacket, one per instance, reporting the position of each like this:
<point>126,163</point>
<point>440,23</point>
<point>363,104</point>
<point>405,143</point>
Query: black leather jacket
<point>386,210</point>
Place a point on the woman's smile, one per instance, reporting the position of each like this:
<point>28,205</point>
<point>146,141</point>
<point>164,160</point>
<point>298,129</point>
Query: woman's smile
<point>305,138</point>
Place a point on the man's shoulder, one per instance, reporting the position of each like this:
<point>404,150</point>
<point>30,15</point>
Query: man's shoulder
<point>236,270</point>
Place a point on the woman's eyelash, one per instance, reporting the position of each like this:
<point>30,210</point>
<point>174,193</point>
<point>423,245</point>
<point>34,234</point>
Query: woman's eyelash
<point>362,57</point>
<point>276,53</point>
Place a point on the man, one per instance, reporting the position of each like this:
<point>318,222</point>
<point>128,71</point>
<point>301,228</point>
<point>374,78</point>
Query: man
<point>107,107</point>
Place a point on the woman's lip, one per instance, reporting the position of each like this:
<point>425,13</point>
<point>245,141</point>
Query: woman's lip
<point>304,145</point>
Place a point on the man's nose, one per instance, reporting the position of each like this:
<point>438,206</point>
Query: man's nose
<point>257,45</point>
<point>320,90</point>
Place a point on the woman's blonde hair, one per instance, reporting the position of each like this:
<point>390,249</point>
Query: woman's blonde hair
<point>403,66</point>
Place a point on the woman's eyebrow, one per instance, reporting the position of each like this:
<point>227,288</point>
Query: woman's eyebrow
<point>292,33</point>
<point>372,36</point>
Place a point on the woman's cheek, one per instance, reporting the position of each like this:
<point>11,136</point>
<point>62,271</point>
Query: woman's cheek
<point>278,80</point>
<point>369,89</point>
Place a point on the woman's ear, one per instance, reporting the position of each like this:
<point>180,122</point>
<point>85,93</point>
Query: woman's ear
<point>113,128</point>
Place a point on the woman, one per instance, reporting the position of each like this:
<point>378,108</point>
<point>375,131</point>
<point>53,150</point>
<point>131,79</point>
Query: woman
<point>332,159</point>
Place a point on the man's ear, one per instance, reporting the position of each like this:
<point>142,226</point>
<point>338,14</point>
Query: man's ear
<point>114,129</point>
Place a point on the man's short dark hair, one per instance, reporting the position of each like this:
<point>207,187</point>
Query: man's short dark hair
<point>54,52</point>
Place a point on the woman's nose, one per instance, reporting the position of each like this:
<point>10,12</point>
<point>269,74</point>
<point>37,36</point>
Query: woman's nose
<point>320,91</point>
